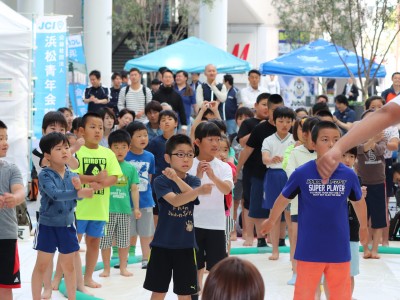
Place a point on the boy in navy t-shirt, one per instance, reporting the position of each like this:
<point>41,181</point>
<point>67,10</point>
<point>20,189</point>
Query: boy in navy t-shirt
<point>177,194</point>
<point>323,235</point>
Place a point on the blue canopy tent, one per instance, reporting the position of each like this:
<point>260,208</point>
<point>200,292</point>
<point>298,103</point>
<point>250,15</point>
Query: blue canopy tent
<point>319,59</point>
<point>191,55</point>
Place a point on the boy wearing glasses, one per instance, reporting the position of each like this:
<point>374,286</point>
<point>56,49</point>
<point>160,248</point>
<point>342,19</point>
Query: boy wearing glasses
<point>177,192</point>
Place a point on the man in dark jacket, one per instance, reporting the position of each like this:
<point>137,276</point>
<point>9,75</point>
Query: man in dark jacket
<point>350,90</point>
<point>228,109</point>
<point>167,94</point>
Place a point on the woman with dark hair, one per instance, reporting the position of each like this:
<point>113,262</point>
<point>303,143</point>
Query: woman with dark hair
<point>109,118</point>
<point>234,278</point>
<point>125,117</point>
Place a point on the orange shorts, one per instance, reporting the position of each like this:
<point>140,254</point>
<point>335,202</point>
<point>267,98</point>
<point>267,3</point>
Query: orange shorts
<point>337,276</point>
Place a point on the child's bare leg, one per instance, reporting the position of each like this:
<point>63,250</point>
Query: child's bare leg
<point>68,266</point>
<point>47,287</point>
<point>249,228</point>
<point>6,294</point>
<point>376,238</point>
<point>367,252</point>
<point>42,263</point>
<point>157,296</point>
<point>123,261</point>
<point>235,208</point>
<point>79,276</point>
<point>200,275</point>
<point>258,223</point>
<point>92,253</point>
<point>184,297</point>
<point>244,233</point>
<point>293,241</point>
<point>105,255</point>
<point>275,231</point>
<point>145,244</point>
<point>289,223</point>
<point>57,276</point>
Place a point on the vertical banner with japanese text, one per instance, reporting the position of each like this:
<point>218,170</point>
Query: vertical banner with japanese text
<point>50,67</point>
<point>77,77</point>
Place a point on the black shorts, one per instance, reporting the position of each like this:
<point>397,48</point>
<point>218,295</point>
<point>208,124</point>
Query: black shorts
<point>389,177</point>
<point>212,248</point>
<point>376,205</point>
<point>9,270</point>
<point>177,263</point>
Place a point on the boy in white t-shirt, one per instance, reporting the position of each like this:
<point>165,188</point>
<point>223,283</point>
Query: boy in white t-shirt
<point>273,149</point>
<point>209,216</point>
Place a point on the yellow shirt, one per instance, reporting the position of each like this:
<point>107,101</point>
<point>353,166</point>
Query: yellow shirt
<point>92,162</point>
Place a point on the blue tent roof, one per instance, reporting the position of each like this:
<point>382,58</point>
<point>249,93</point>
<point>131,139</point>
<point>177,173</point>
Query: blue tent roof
<point>318,59</point>
<point>191,55</point>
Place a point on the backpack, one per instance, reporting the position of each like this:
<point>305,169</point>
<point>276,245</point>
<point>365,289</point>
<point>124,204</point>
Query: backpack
<point>23,217</point>
<point>394,228</point>
<point>144,93</point>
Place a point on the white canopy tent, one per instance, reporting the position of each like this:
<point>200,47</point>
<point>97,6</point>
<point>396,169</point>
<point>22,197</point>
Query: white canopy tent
<point>15,84</point>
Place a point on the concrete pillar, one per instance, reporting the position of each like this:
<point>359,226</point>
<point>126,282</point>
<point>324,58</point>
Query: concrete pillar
<point>213,23</point>
<point>98,37</point>
<point>31,8</point>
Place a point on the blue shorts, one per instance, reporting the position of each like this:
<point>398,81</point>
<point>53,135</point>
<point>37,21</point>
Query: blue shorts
<point>355,259</point>
<point>376,205</point>
<point>91,228</point>
<point>274,182</point>
<point>50,238</point>
<point>256,198</point>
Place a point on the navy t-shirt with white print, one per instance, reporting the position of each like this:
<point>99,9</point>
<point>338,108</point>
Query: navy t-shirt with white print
<point>323,234</point>
<point>175,228</point>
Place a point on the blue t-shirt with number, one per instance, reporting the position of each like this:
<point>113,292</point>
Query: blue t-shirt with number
<point>323,224</point>
<point>145,166</point>
<point>175,228</point>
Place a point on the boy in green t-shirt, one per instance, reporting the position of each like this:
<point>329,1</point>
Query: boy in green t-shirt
<point>99,169</point>
<point>120,207</point>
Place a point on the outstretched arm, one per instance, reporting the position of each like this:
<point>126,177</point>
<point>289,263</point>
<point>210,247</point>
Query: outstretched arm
<point>388,115</point>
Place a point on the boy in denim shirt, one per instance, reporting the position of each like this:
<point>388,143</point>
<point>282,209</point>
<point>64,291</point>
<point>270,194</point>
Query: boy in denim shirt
<point>60,188</point>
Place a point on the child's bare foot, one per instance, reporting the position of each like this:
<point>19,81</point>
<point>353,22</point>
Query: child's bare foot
<point>375,255</point>
<point>105,273</point>
<point>55,283</point>
<point>367,254</point>
<point>385,244</point>
<point>46,294</point>
<point>248,243</point>
<point>233,236</point>
<point>92,284</point>
<point>84,290</point>
<point>124,272</point>
<point>274,256</point>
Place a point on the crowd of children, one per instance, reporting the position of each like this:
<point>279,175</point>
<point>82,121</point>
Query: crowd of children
<point>181,194</point>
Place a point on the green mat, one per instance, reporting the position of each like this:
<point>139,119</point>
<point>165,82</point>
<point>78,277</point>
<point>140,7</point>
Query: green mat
<point>256,250</point>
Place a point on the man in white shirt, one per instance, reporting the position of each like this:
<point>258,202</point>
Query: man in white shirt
<point>248,95</point>
<point>209,90</point>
